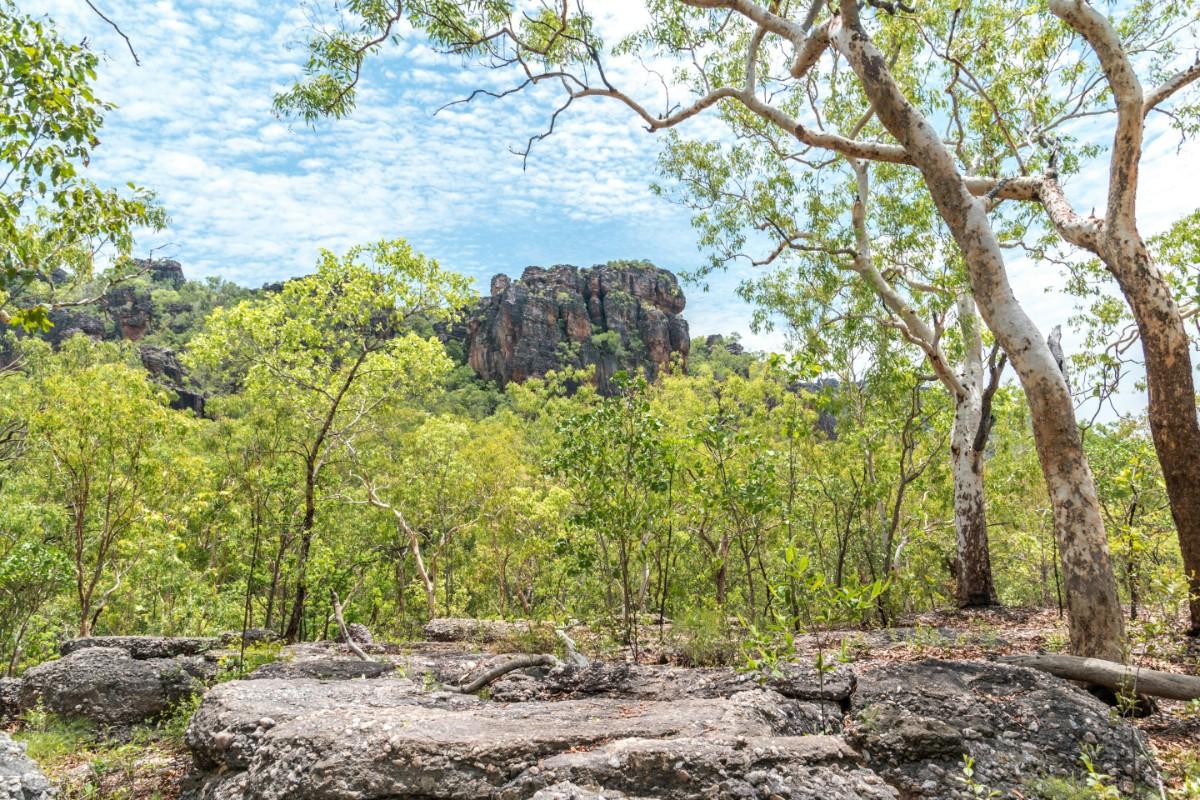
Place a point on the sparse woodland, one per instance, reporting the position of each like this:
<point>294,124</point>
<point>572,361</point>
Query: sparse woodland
<point>923,446</point>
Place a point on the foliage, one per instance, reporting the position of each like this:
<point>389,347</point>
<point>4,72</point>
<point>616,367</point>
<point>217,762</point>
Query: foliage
<point>52,218</point>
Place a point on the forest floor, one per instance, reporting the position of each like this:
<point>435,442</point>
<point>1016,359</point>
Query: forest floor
<point>148,762</point>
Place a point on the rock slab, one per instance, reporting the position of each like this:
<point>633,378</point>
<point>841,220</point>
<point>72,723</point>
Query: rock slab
<point>915,723</point>
<point>623,731</point>
<point>295,739</point>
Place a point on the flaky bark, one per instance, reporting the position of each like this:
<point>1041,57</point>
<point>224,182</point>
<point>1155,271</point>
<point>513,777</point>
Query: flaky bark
<point>974,584</point>
<point>1097,626</point>
<point>1169,373</point>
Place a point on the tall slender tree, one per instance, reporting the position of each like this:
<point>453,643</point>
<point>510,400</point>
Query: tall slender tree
<point>333,348</point>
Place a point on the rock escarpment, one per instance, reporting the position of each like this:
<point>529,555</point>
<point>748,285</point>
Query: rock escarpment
<point>620,315</point>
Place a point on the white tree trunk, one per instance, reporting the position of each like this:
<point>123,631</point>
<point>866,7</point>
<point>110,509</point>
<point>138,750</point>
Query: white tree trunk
<point>974,571</point>
<point>1096,623</point>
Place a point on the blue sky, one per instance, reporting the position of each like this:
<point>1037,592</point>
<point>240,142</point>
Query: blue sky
<point>253,198</point>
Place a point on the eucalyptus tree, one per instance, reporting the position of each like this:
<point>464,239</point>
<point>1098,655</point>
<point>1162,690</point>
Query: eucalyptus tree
<point>1076,77</point>
<point>329,352</point>
<point>841,263</point>
<point>52,218</point>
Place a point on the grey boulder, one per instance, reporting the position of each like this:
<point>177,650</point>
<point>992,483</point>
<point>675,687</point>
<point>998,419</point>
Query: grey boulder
<point>10,698</point>
<point>20,778</point>
<point>459,629</point>
<point>359,633</point>
<point>915,722</point>
<point>108,686</point>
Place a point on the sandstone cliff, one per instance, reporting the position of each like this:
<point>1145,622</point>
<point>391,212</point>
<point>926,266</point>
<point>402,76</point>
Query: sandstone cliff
<point>620,315</point>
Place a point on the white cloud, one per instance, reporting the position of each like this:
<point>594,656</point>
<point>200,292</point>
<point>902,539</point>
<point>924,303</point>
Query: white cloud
<point>252,197</point>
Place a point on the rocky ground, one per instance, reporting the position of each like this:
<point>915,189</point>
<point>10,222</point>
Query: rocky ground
<point>908,718</point>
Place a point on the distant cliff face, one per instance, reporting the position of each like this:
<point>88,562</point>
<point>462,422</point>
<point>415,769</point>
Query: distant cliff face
<point>621,315</point>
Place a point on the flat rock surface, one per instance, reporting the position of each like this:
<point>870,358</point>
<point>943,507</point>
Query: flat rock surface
<point>390,739</point>
<point>337,669</point>
<point>461,629</point>
<point>20,778</point>
<point>623,731</point>
<point>605,679</point>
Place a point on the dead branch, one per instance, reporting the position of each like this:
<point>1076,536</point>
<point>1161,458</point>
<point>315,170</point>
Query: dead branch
<point>573,655</point>
<point>137,61</point>
<point>341,623</point>
<point>519,662</point>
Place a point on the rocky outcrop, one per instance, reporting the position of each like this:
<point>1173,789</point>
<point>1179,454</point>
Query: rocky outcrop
<point>20,778</point>
<point>131,309</point>
<point>359,634</point>
<point>10,698</point>
<point>67,322</point>
<point>163,365</point>
<point>914,723</point>
<point>143,647</point>
<point>384,739</point>
<point>619,730</point>
<point>163,270</point>
<point>109,686</point>
<point>463,629</point>
<point>635,682</point>
<point>621,315</point>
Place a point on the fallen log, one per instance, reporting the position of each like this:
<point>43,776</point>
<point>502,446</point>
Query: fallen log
<point>519,662</point>
<point>1109,674</point>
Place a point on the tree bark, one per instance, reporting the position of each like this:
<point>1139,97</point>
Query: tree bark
<point>975,587</point>
<point>292,634</point>
<point>1169,377</point>
<point>1097,626</point>
<point>1172,397</point>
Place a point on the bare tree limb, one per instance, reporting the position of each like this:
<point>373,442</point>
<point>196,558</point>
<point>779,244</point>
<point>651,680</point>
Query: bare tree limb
<point>137,61</point>
<point>1170,86</point>
<point>342,629</point>
<point>519,662</point>
<point>1118,677</point>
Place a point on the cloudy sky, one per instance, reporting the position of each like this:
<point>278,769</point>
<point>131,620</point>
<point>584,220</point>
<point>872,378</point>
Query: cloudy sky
<point>252,198</point>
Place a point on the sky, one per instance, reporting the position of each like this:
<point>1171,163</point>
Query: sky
<point>252,197</point>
